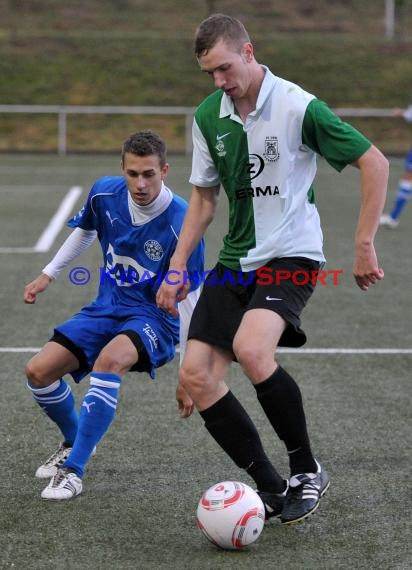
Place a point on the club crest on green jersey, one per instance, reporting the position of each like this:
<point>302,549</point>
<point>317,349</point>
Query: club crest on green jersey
<point>220,145</point>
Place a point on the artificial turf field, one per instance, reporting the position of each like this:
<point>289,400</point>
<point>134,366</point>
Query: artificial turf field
<point>142,487</point>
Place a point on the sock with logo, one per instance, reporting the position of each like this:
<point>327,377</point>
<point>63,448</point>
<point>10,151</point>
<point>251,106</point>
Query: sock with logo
<point>231,427</point>
<point>402,198</point>
<point>57,401</point>
<point>96,414</point>
<point>281,400</point>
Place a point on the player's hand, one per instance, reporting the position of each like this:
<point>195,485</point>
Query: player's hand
<point>37,286</point>
<point>173,289</point>
<point>185,402</point>
<point>366,269</point>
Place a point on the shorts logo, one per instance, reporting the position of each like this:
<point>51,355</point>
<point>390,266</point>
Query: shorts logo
<point>152,336</point>
<point>153,250</point>
<point>271,149</point>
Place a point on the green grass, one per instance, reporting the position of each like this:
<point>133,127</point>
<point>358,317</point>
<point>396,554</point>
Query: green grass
<point>138,53</point>
<point>142,487</point>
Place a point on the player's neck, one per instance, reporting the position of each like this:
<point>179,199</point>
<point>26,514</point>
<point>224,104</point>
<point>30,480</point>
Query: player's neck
<point>143,214</point>
<point>246,104</point>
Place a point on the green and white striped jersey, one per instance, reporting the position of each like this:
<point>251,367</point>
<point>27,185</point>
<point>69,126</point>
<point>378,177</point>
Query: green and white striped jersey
<point>267,166</point>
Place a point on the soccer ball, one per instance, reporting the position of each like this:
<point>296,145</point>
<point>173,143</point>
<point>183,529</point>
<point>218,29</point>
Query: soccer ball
<point>231,515</point>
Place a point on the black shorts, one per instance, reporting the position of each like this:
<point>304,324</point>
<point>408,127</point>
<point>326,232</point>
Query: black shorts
<point>284,285</point>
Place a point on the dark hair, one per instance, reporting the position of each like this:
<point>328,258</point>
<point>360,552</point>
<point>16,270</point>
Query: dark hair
<point>219,27</point>
<point>145,143</point>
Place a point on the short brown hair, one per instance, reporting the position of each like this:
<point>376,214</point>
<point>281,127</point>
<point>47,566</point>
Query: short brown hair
<point>145,143</point>
<point>219,27</point>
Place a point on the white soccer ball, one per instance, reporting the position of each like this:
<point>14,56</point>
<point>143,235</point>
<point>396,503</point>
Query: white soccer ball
<point>231,515</point>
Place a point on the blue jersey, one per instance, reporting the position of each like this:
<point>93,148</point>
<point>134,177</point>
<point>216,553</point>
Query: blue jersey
<point>135,256</point>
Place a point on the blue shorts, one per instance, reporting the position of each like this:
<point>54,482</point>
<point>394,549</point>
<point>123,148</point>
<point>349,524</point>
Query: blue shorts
<point>408,161</point>
<point>88,335</point>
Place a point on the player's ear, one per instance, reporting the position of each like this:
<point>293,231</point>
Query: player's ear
<point>247,52</point>
<point>165,170</point>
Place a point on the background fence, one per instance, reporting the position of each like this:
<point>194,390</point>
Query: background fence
<point>185,114</point>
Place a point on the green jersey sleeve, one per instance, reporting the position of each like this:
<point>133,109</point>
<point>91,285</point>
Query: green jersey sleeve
<point>326,134</point>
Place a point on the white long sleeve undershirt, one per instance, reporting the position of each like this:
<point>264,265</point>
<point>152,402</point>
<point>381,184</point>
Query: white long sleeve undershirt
<point>77,242</point>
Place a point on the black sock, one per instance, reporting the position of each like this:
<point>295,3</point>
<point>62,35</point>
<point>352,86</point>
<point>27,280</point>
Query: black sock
<point>281,400</point>
<point>231,427</point>
<point>266,477</point>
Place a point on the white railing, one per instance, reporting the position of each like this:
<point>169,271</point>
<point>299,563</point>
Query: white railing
<point>63,110</point>
<point>187,112</point>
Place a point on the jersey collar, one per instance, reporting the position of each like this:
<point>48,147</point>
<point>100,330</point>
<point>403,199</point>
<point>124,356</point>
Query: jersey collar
<point>227,108</point>
<point>143,214</point>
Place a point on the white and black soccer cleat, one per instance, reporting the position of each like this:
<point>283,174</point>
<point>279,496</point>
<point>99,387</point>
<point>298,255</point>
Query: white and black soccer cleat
<point>303,496</point>
<point>64,485</point>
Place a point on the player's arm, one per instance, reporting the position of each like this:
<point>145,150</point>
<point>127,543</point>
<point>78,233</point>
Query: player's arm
<point>200,213</point>
<point>186,307</point>
<point>205,180</point>
<point>341,144</point>
<point>35,287</point>
<point>374,170</point>
<point>77,242</point>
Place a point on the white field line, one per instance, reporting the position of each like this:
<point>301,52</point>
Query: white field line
<point>383,351</point>
<point>345,350</point>
<point>53,228</point>
<point>11,349</point>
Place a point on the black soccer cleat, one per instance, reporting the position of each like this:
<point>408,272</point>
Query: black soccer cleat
<point>303,496</point>
<point>273,502</point>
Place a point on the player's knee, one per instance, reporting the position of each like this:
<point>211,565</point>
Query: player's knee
<point>251,358</point>
<point>109,361</point>
<point>246,354</point>
<point>186,377</point>
<point>37,374</point>
<point>193,379</point>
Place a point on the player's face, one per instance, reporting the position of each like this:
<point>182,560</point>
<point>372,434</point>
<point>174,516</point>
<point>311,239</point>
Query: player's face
<point>229,69</point>
<point>144,177</point>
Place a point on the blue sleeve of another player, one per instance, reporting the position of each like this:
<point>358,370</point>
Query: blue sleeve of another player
<point>196,266</point>
<point>85,218</point>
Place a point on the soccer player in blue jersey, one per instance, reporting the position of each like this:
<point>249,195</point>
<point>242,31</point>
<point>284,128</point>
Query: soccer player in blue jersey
<point>404,192</point>
<point>258,136</point>
<point>137,220</point>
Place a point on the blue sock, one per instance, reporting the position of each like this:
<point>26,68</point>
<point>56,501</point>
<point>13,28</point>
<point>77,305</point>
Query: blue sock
<point>402,198</point>
<point>58,403</point>
<point>96,414</point>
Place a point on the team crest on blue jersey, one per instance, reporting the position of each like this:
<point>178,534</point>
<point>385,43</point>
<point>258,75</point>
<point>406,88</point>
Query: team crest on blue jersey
<point>153,250</point>
<point>271,149</point>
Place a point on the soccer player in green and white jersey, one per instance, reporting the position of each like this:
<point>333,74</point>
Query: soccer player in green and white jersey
<point>258,136</point>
